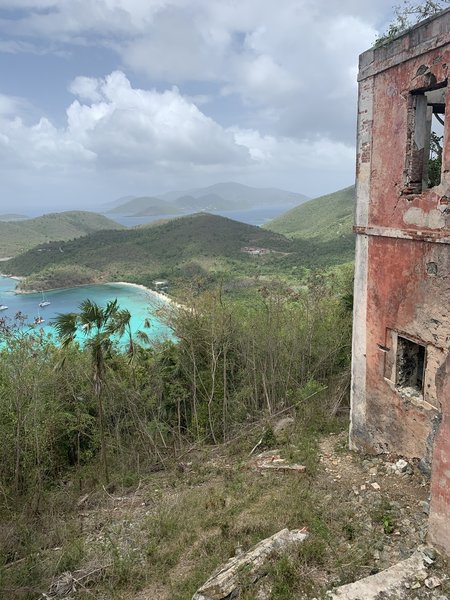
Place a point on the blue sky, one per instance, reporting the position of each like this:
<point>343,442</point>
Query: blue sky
<point>106,98</point>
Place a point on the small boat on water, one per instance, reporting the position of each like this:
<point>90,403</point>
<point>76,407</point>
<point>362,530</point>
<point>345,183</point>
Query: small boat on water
<point>43,303</point>
<point>38,320</point>
<point>3,307</point>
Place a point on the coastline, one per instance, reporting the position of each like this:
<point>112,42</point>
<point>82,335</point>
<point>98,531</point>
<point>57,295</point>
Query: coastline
<point>159,295</point>
<point>163,297</point>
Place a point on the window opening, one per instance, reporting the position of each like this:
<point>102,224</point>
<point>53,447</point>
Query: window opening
<point>425,156</point>
<point>410,365</point>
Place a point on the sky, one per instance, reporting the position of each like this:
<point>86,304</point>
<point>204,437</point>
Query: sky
<point>101,99</point>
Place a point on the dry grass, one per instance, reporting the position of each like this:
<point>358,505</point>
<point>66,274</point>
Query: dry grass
<point>164,539</point>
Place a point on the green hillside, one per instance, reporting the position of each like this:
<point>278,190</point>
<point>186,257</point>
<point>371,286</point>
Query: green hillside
<point>12,217</point>
<point>326,218</point>
<point>18,236</point>
<point>145,206</point>
<point>179,249</point>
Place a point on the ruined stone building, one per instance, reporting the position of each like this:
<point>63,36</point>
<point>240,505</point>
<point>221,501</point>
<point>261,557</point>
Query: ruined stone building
<point>401,359</point>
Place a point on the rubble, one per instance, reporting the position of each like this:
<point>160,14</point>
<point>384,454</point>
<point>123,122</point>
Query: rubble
<point>247,567</point>
<point>408,574</point>
<point>272,461</point>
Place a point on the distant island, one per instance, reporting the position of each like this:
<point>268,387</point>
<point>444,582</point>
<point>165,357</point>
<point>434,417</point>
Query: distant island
<point>217,197</point>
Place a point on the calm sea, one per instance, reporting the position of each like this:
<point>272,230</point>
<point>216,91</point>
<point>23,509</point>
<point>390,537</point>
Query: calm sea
<point>253,216</point>
<point>141,304</point>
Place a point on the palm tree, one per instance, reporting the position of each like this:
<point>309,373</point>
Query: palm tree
<point>122,325</point>
<point>97,324</point>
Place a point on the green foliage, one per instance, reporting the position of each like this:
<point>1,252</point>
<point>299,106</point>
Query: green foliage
<point>323,219</point>
<point>235,365</point>
<point>19,236</point>
<point>408,14</point>
<point>184,249</point>
<point>98,325</point>
<point>321,230</point>
<point>385,516</point>
<point>435,160</point>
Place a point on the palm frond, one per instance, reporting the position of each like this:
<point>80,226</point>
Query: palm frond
<point>66,325</point>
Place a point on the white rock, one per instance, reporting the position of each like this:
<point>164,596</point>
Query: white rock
<point>226,581</point>
<point>401,465</point>
<point>432,582</point>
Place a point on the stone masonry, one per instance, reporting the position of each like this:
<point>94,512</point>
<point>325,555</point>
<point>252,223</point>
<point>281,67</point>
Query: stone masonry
<point>401,361</point>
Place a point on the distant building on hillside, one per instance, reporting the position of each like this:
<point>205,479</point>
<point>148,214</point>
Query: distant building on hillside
<point>401,361</point>
<point>161,285</point>
<point>255,251</point>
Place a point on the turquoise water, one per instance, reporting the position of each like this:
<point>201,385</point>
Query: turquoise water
<point>141,304</point>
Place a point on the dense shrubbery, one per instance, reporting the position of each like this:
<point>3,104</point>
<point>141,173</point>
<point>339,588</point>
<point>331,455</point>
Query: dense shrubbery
<point>234,363</point>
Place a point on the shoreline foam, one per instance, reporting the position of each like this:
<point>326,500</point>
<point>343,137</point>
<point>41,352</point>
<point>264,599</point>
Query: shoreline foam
<point>159,295</point>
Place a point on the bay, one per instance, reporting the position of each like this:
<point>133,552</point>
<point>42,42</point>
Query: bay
<point>141,303</point>
<point>252,216</point>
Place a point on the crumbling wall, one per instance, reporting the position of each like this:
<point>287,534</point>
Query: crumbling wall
<point>400,366</point>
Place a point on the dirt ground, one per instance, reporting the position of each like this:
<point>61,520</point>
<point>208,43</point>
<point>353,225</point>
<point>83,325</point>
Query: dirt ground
<point>163,538</point>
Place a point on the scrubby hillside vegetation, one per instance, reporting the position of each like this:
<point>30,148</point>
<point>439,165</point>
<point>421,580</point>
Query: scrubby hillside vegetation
<point>282,353</point>
<point>19,236</point>
<point>181,425</point>
<point>197,245</point>
<point>326,222</point>
<point>203,249</point>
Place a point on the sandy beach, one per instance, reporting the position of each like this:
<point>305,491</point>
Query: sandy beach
<point>163,297</point>
<point>150,292</point>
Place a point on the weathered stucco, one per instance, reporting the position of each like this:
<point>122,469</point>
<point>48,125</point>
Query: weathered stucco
<point>402,280</point>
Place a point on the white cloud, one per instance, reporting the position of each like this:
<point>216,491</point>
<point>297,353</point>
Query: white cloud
<point>113,127</point>
<point>10,105</point>
<point>135,127</point>
<point>293,61</point>
<point>85,88</point>
<point>121,127</point>
<point>237,88</point>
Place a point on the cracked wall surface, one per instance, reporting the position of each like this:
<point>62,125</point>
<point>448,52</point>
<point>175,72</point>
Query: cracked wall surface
<point>402,275</point>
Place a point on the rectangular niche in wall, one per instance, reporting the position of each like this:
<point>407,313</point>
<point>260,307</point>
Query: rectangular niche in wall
<point>410,365</point>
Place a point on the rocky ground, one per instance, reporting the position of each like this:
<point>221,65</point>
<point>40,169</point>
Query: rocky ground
<point>162,539</point>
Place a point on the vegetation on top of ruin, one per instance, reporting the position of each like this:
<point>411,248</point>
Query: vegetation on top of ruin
<point>408,14</point>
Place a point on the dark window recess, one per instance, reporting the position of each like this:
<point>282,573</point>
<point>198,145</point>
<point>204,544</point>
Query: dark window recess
<point>424,158</point>
<point>410,364</point>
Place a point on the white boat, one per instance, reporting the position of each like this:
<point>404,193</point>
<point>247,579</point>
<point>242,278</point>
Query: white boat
<point>3,307</point>
<point>43,303</point>
<point>38,320</point>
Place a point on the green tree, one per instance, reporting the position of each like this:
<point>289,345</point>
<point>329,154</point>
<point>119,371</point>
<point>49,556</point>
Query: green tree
<point>97,325</point>
<point>435,161</point>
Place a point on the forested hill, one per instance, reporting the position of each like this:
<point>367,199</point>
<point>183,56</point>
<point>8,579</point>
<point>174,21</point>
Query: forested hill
<point>220,196</point>
<point>326,218</point>
<point>19,236</point>
<point>175,248</point>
